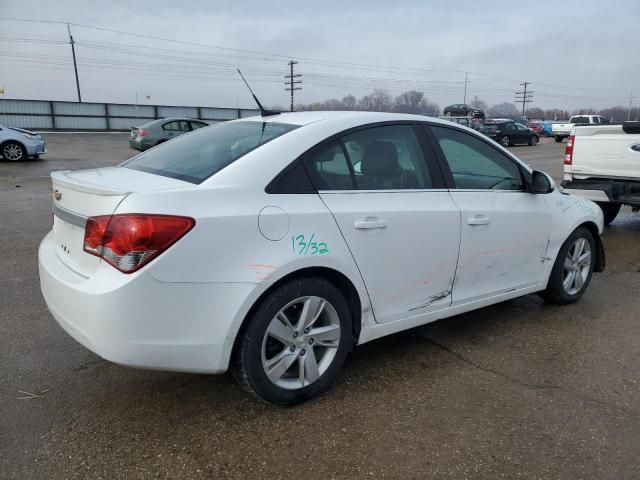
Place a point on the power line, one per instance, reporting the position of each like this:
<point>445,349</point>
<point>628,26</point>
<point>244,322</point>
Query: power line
<point>308,60</point>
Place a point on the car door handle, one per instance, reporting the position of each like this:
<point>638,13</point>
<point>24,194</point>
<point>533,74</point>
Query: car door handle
<point>368,224</point>
<point>479,220</point>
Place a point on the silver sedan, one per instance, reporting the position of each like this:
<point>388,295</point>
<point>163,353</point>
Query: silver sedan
<point>18,144</point>
<point>158,131</point>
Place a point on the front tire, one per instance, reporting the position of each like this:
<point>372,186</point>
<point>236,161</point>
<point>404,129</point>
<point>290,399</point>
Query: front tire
<point>13,151</point>
<point>610,211</point>
<point>533,141</point>
<point>572,269</point>
<point>295,342</point>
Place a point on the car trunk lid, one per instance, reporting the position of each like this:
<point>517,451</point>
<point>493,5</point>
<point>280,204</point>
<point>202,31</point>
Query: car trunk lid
<point>78,195</point>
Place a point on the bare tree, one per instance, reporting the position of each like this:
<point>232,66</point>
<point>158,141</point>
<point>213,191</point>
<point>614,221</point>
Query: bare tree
<point>350,102</point>
<point>409,102</point>
<point>477,103</point>
<point>535,113</point>
<point>378,101</point>
<point>504,110</point>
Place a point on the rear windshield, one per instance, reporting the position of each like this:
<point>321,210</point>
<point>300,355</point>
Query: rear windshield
<point>196,156</point>
<point>579,120</point>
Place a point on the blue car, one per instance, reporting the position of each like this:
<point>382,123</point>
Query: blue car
<point>18,144</point>
<point>546,129</point>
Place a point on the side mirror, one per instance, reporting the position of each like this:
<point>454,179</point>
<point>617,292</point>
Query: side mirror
<point>541,183</point>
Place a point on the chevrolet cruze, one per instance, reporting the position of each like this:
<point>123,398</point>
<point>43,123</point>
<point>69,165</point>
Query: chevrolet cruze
<point>270,246</point>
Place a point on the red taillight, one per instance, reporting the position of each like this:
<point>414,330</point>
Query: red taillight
<point>568,151</point>
<point>142,132</point>
<point>129,241</point>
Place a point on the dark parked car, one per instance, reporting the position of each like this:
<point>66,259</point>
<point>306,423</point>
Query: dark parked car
<point>463,109</point>
<point>158,131</point>
<point>508,132</point>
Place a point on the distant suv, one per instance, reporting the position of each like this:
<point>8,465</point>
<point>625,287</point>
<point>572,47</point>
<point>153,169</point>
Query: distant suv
<point>508,132</point>
<point>158,131</point>
<point>464,110</point>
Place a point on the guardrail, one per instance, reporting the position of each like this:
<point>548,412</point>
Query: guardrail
<point>58,115</point>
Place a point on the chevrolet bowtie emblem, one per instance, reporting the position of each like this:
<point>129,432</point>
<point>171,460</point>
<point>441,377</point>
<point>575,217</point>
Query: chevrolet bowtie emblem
<point>57,195</point>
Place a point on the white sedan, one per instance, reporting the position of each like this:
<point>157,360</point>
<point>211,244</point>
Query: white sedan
<point>271,246</point>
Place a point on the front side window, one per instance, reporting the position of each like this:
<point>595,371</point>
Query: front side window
<point>202,153</point>
<point>476,165</point>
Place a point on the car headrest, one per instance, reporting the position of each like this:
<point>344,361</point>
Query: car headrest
<point>380,159</point>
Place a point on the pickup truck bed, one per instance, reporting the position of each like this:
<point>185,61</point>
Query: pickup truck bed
<point>602,163</point>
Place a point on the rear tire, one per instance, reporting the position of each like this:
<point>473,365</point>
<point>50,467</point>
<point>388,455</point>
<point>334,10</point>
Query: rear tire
<point>277,359</point>
<point>505,141</point>
<point>559,139</point>
<point>610,211</point>
<point>572,269</point>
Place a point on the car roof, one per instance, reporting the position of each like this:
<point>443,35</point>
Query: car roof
<point>357,117</point>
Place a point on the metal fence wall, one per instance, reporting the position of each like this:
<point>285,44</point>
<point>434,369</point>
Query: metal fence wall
<point>54,115</point>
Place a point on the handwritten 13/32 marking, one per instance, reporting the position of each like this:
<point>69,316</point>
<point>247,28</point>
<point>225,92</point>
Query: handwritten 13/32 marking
<point>300,246</point>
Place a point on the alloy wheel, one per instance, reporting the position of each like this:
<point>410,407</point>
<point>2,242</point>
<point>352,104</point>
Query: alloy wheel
<point>300,342</point>
<point>505,141</point>
<point>577,266</point>
<point>12,151</point>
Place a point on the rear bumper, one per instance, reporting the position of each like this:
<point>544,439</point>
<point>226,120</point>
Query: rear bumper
<point>138,321</point>
<point>136,143</point>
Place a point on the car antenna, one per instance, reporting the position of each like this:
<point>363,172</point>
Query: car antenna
<point>263,112</point>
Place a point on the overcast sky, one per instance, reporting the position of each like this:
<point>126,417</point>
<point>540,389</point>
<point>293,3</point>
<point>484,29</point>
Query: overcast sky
<point>576,53</point>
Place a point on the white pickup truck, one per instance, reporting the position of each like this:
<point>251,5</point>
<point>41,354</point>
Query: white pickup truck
<point>560,131</point>
<point>602,163</point>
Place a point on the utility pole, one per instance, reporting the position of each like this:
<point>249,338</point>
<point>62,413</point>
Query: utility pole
<point>75,66</point>
<point>524,96</point>
<point>630,104</point>
<point>466,81</point>
<point>291,82</point>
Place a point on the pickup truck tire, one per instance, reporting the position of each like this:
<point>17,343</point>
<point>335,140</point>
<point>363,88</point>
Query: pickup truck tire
<point>572,269</point>
<point>610,211</point>
<point>559,139</point>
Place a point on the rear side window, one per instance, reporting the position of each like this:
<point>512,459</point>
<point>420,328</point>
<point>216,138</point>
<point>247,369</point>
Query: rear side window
<point>176,126</point>
<point>579,120</point>
<point>330,168</point>
<point>200,154</point>
<point>476,165</point>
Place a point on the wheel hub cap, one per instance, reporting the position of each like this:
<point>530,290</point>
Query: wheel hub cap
<point>577,266</point>
<point>301,342</point>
